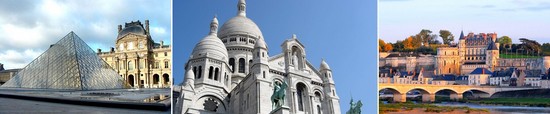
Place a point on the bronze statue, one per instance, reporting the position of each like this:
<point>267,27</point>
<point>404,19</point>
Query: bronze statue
<point>278,96</point>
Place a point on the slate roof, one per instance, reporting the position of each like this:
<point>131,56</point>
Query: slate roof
<point>481,71</point>
<point>444,77</point>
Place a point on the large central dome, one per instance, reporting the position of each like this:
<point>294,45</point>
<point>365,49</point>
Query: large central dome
<point>240,25</point>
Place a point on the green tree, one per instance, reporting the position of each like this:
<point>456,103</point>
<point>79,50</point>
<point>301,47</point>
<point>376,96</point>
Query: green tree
<point>546,49</point>
<point>530,46</point>
<point>446,36</point>
<point>505,41</point>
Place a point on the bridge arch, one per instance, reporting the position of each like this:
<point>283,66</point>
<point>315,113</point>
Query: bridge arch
<point>476,94</point>
<point>447,94</point>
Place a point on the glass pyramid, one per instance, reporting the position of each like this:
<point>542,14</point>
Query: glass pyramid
<point>68,64</point>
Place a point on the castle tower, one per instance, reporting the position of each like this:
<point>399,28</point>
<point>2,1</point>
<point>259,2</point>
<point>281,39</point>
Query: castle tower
<point>462,48</point>
<point>492,56</point>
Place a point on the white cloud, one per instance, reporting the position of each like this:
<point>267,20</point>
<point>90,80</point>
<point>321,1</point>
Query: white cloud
<point>16,59</point>
<point>28,27</point>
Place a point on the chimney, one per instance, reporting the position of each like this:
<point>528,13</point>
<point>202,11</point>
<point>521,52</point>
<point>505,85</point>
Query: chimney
<point>98,50</point>
<point>119,28</point>
<point>482,71</point>
<point>147,26</point>
<point>161,43</point>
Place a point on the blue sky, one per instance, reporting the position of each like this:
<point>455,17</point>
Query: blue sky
<point>515,18</point>
<point>28,27</point>
<point>342,32</point>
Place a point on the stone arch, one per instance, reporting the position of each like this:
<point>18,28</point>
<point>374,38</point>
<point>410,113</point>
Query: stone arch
<point>297,53</point>
<point>156,79</point>
<point>444,92</point>
<point>420,94</point>
<point>131,80</point>
<point>301,96</point>
<point>475,94</point>
<point>395,95</point>
<point>166,78</point>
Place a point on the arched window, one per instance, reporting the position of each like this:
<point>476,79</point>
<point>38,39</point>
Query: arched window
<point>301,95</point>
<point>200,72</point>
<point>232,64</point>
<point>241,65</point>
<point>195,72</point>
<point>166,78</point>
<point>264,73</point>
<point>210,70</point>
<point>216,72</point>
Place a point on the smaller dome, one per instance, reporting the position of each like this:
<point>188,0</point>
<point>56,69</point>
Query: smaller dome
<point>212,46</point>
<point>260,43</point>
<point>132,27</point>
<point>324,65</point>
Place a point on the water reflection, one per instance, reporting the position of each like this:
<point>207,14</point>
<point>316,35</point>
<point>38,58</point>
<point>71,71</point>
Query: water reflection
<point>500,109</point>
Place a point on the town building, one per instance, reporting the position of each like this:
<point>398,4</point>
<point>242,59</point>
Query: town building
<point>142,62</point>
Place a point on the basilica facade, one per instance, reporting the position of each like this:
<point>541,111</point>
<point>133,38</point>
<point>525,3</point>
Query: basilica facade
<point>230,71</point>
<point>140,61</point>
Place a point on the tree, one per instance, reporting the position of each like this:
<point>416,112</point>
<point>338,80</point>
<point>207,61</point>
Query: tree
<point>425,36</point>
<point>505,41</point>
<point>409,43</point>
<point>381,44</point>
<point>388,47</point>
<point>446,36</point>
<point>530,46</point>
<point>546,49</point>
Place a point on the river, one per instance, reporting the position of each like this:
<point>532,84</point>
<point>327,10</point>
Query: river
<point>498,109</point>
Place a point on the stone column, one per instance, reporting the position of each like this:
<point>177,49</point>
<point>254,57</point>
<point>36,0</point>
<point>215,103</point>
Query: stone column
<point>399,97</point>
<point>456,96</point>
<point>428,97</point>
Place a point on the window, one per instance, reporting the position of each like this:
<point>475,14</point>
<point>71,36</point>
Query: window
<point>156,66</point>
<point>166,64</point>
<point>264,73</point>
<point>130,65</point>
<point>241,65</point>
<point>232,64</point>
<point>156,54</point>
<point>210,70</point>
<point>165,54</point>
<point>195,72</point>
<point>140,65</point>
<point>300,96</point>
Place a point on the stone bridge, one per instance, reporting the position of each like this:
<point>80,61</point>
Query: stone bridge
<point>428,91</point>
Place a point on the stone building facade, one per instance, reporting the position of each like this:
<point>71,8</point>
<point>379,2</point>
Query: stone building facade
<point>230,71</point>
<point>142,62</point>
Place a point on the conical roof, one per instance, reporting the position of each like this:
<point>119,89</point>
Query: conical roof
<point>68,64</point>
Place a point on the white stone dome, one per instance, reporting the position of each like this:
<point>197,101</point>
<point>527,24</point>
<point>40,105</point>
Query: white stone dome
<point>324,65</point>
<point>240,25</point>
<point>212,46</point>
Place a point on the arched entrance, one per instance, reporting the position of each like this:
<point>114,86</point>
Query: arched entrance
<point>156,78</point>
<point>166,78</point>
<point>131,80</point>
<point>301,96</point>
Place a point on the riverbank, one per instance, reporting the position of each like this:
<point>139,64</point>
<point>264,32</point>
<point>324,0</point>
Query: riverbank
<point>531,102</point>
<point>425,108</point>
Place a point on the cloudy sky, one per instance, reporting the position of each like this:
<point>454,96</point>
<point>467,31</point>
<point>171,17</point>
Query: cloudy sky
<point>515,18</point>
<point>28,27</point>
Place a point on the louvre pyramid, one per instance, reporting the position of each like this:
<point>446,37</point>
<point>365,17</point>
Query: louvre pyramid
<point>68,64</point>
